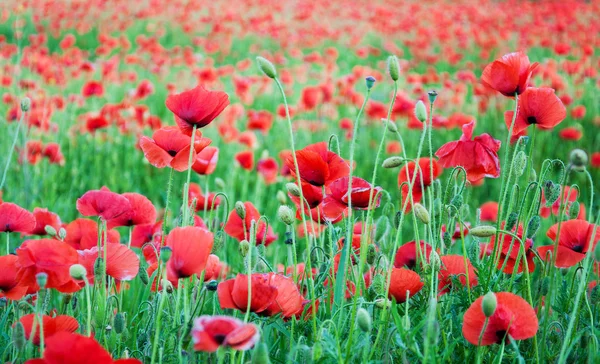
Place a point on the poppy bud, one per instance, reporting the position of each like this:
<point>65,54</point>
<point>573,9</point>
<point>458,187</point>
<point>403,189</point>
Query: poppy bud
<point>519,164</point>
<point>511,221</point>
<point>50,230</point>
<point>363,319</point>
<point>371,254</point>
<point>533,225</point>
<point>551,192</point>
<point>25,104</point>
<point>382,302</point>
<point>317,351</point>
<point>18,336</point>
<point>285,214</point>
<point>432,95</point>
<point>545,287</point>
<point>370,81</point>
<point>421,111</point>
<point>393,67</point>
<point>168,286</point>
<point>574,210</point>
<point>489,303</point>
<point>220,183</point>
<point>212,285</point>
<point>41,279</point>
<point>293,189</point>
<point>397,218</point>
<point>434,260</point>
<point>266,67</point>
<point>421,213</point>
<point>62,233</point>
<point>260,355</point>
<point>281,198</point>
<point>165,253</point>
<point>244,247</point>
<point>240,209</point>
<point>119,323</point>
<point>447,239</point>
<point>78,272</point>
<point>579,159</point>
<point>457,201</point>
<point>219,239</point>
<point>392,162</point>
<point>98,269</point>
<point>532,175</point>
<point>483,231</point>
<point>391,125</point>
<point>377,287</point>
<point>474,252</point>
<point>143,276</point>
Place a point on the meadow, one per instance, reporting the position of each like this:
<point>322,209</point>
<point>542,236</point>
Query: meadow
<point>299,181</point>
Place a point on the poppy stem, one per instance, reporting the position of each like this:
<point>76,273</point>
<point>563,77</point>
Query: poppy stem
<point>166,214</point>
<point>186,209</point>
<point>159,312</point>
<point>7,242</point>
<point>11,150</point>
<point>249,268</point>
<point>88,299</point>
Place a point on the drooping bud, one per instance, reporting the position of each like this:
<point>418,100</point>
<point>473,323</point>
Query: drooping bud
<point>293,189</point>
<point>393,67</point>
<point>260,355</point>
<point>489,303</point>
<point>281,197</point>
<point>432,95</point>
<point>574,210</point>
<point>78,272</point>
<point>266,67</point>
<point>545,286</point>
<point>219,241</point>
<point>421,213</point>
<point>533,225</point>
<point>25,104</point>
<point>551,192</point>
<point>240,209</point>
<point>511,221</point>
<point>371,254</point>
<point>421,111</point>
<point>18,336</point>
<point>532,175</point>
<point>50,230</point>
<point>382,302</point>
<point>165,253</point>
<point>370,81</point>
<point>519,164</point>
<point>363,319</point>
<point>244,247</point>
<point>397,219</point>
<point>483,231</point>
<point>285,214</point>
<point>41,279</point>
<point>457,201</point>
<point>220,183</point>
<point>434,260</point>
<point>579,159</point>
<point>392,162</point>
<point>119,323</point>
<point>143,274</point>
<point>391,125</point>
<point>447,239</point>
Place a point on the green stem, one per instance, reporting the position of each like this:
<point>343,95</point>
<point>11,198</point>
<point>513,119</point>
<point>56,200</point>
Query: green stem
<point>11,150</point>
<point>186,209</point>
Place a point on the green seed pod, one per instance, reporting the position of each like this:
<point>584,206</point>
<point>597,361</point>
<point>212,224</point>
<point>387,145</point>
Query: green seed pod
<point>545,286</point>
<point>41,279</point>
<point>293,189</point>
<point>421,213</point>
<point>371,254</point>
<point>391,125</point>
<point>50,230</point>
<point>286,215</point>
<point>25,104</point>
<point>244,247</point>
<point>370,81</point>
<point>220,183</point>
<point>393,67</point>
<point>281,197</point>
<point>489,303</point>
<point>18,336</point>
<point>579,159</point>
<point>483,231</point>
<point>143,274</point>
<point>240,209</point>
<point>119,323</point>
<point>421,111</point>
<point>532,175</point>
<point>266,67</point>
<point>533,225</point>
<point>457,201</point>
<point>551,192</point>
<point>574,210</point>
<point>363,319</point>
<point>392,162</point>
<point>78,272</point>
<point>397,218</point>
<point>432,95</point>
<point>511,221</point>
<point>519,164</point>
<point>260,355</point>
<point>165,253</point>
<point>62,233</point>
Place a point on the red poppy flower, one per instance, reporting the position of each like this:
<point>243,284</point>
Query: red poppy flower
<point>317,165</point>
<point>191,247</point>
<point>537,106</point>
<point>211,332</point>
<point>245,159</point>
<point>142,212</point>
<point>513,316</point>
<point>206,161</point>
<point>70,348</point>
<point>361,191</point>
<point>83,234</point>
<point>406,255</point>
<point>240,230</point>
<point>103,203</point>
<point>14,218</point>
<point>260,120</point>
<point>595,160</point>
<point>122,263</point>
<point>479,156</point>
<point>289,301</point>
<point>52,325</point>
<point>49,256</point>
<point>168,147</point>
<point>196,107</point>
<point>267,167</point>
<point>92,88</point>
<point>509,74</point>
<point>454,265</point>
<point>489,211</point>
<point>215,269</point>
<point>403,280</point>
<point>573,242</point>
<point>142,234</point>
<point>423,178</point>
<point>53,153</point>
<point>510,255</point>
<point>570,133</point>
<point>44,218</point>
<point>9,284</point>
<point>202,201</point>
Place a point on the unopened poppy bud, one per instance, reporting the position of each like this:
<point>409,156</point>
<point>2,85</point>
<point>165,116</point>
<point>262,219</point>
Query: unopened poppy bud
<point>78,272</point>
<point>25,104</point>
<point>447,239</point>
<point>578,158</point>
<point>119,323</point>
<point>168,286</point>
<point>434,260</point>
<point>220,183</point>
<point>421,111</point>
<point>18,336</point>
<point>397,219</point>
<point>597,253</point>
<point>393,67</point>
<point>457,201</point>
<point>391,125</point>
<point>392,162</point>
<point>532,175</point>
<point>370,81</point>
<point>98,269</point>
<point>261,354</point>
<point>41,279</point>
<point>574,210</point>
<point>551,192</point>
<point>421,213</point>
<point>50,230</point>
<point>382,302</point>
<point>317,351</point>
<point>363,319</point>
<point>489,303</point>
<point>377,287</point>
<point>281,197</point>
<point>371,254</point>
<point>212,285</point>
<point>244,247</point>
<point>143,274</point>
<point>62,233</point>
<point>285,214</point>
<point>219,240</point>
<point>533,225</point>
<point>293,189</point>
<point>511,221</point>
<point>240,209</point>
<point>165,253</point>
<point>519,164</point>
<point>266,67</point>
<point>483,231</point>
<point>432,95</point>
<point>545,287</point>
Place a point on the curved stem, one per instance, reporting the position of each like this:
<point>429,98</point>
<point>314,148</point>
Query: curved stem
<point>11,150</point>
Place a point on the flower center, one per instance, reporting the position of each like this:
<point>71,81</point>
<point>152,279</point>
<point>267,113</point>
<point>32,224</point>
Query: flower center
<point>500,335</point>
<point>531,120</point>
<point>172,153</point>
<point>577,248</point>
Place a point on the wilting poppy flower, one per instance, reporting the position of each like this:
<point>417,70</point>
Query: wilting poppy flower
<point>489,211</point>
<point>70,348</point>
<point>574,241</point>
<point>202,201</point>
<point>479,156</point>
<point>206,161</point>
<point>122,263</point>
<point>513,316</point>
<point>14,218</point>
<point>196,107</point>
<point>211,332</point>
<point>267,167</point>
<point>317,165</point>
<point>9,284</point>
<point>44,218</point>
<point>103,203</point>
<point>509,74</point>
<point>83,234</point>
<point>168,147</point>
<point>406,255</point>
<point>455,265</point>
<point>142,234</point>
<point>142,212</point>
<point>245,159</point>
<point>509,255</point>
<point>52,325</point>
<point>403,280</point>
<point>539,107</point>
<point>49,256</point>
<point>191,247</point>
<point>240,230</point>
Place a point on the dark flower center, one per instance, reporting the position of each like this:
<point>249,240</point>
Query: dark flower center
<point>219,338</point>
<point>531,120</point>
<point>500,335</point>
<point>577,248</point>
<point>172,153</point>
